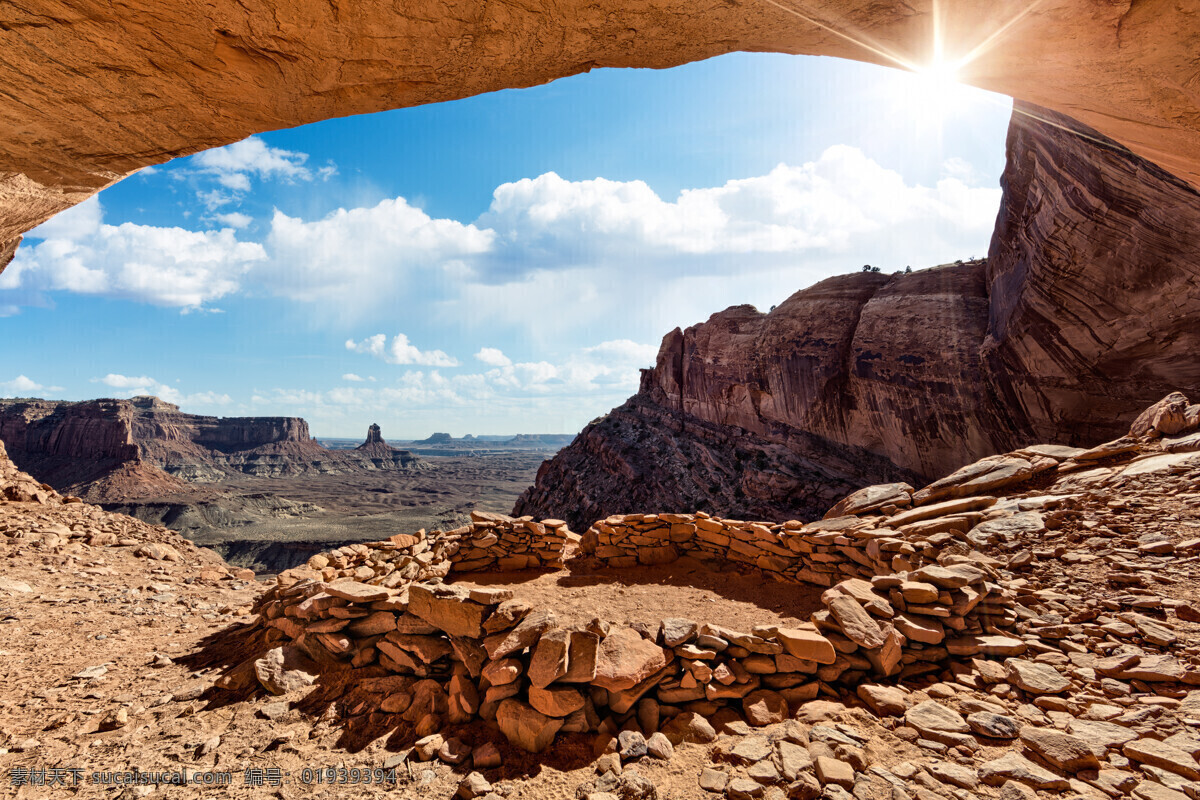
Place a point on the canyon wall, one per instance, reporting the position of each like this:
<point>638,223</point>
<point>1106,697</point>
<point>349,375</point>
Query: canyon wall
<point>114,450</point>
<point>95,91</point>
<point>1084,312</point>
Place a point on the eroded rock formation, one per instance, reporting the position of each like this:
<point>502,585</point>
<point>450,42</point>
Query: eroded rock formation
<point>375,451</point>
<point>374,436</point>
<point>115,450</point>
<point>96,91</point>
<point>1084,311</point>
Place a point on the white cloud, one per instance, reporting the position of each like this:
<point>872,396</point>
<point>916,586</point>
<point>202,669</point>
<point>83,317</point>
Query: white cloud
<point>137,386</point>
<point>214,199</point>
<point>608,365</point>
<point>560,397</point>
<point>400,351</point>
<point>163,266</point>
<point>493,357</point>
<point>231,168</point>
<point>234,219</point>
<point>350,376</point>
<point>552,261</point>
<point>74,223</point>
<point>125,381</point>
<point>235,181</point>
<point>561,246</point>
<point>826,205</point>
<point>366,257</point>
<point>252,156</point>
<point>22,386</point>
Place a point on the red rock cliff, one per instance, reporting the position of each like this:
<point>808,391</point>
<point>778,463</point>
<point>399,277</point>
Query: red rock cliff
<point>1086,310</point>
<point>132,448</point>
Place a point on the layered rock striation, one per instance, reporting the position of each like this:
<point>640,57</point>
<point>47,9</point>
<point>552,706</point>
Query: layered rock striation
<point>1084,311</point>
<point>114,450</point>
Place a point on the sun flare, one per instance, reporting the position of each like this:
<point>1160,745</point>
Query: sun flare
<point>935,89</point>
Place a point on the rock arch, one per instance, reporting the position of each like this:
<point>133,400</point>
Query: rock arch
<point>93,91</point>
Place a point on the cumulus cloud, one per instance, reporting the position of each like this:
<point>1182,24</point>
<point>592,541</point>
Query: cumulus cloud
<point>22,386</point>
<point>126,381</point>
<point>74,223</point>
<point>227,172</point>
<point>163,266</point>
<point>350,376</point>
<point>561,245</point>
<point>233,163</point>
<point>364,257</point>
<point>234,219</point>
<point>550,259</point>
<point>137,386</point>
<point>608,365</point>
<point>493,356</point>
<point>561,396</point>
<point>825,205</point>
<point>400,351</point>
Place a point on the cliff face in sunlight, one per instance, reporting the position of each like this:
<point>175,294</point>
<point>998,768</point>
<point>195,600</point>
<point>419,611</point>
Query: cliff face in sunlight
<point>1084,312</point>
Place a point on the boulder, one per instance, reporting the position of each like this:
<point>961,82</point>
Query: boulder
<point>285,669</point>
<point>624,659</point>
<point>675,631</point>
<point>1035,678</point>
<point>1168,416</point>
<point>871,498</point>
<point>993,726</point>
<point>526,727</point>
<point>556,701</point>
<point>986,475</point>
<point>1159,754</point>
<point>357,592</point>
<point>764,707</point>
<point>884,700</point>
<point>855,622</point>
<point>1061,750</point>
<point>1015,767</point>
<point>549,661</point>
<point>524,635</point>
<point>689,727</point>
<point>807,645</point>
<point>581,657</point>
<point>447,608</point>
<point>936,722</point>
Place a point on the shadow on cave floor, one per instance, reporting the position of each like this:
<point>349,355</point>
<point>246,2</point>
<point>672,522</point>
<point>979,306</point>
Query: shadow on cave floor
<point>344,700</point>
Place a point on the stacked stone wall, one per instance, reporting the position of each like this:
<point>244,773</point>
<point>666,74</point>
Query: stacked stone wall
<point>820,553</point>
<point>491,542</point>
<point>445,654</point>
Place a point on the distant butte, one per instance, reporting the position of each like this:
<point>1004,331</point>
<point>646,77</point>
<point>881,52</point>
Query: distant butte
<point>375,445</point>
<point>374,436</point>
<point>114,450</point>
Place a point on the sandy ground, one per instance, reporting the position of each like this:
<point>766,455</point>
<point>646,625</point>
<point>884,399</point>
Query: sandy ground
<point>684,588</point>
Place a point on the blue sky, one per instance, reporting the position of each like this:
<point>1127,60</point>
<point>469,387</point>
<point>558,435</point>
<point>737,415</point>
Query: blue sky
<point>498,264</point>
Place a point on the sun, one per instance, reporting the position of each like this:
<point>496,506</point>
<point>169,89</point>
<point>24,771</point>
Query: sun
<point>940,74</point>
<point>935,89</point>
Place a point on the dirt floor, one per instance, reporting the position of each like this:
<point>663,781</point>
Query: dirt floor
<point>685,588</point>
